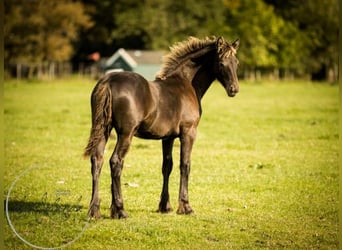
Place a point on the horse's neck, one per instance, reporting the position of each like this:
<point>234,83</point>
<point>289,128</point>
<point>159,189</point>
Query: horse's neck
<point>205,73</point>
<point>202,81</point>
<point>198,75</point>
<point>198,71</point>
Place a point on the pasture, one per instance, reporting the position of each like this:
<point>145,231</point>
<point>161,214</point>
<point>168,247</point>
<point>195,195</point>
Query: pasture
<point>264,172</point>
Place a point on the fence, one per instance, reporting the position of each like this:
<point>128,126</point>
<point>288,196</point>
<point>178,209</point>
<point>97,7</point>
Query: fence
<point>51,70</point>
<point>47,70</point>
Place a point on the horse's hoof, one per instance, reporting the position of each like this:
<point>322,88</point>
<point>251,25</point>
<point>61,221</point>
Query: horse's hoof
<point>184,209</point>
<point>165,208</point>
<point>94,210</point>
<point>94,213</point>
<point>119,214</point>
<point>123,214</point>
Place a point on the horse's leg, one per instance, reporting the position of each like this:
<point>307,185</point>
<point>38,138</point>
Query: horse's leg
<point>96,166</point>
<point>187,140</point>
<point>164,205</point>
<point>116,165</point>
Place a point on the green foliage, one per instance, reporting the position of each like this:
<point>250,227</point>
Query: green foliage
<point>300,36</point>
<point>157,24</point>
<point>258,32</point>
<point>37,31</point>
<point>318,24</point>
<point>264,171</point>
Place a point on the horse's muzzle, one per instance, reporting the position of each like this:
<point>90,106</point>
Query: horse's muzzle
<point>232,90</point>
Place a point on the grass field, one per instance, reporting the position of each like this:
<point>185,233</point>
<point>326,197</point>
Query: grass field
<point>264,172</point>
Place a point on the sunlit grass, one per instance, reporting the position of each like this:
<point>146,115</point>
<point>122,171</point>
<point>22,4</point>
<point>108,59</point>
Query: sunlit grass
<point>264,172</point>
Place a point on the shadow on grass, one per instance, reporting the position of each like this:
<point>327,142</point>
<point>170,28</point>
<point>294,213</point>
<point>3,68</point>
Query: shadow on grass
<point>45,225</point>
<point>42,207</point>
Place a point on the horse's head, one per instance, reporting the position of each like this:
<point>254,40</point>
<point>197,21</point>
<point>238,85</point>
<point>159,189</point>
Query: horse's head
<point>227,64</point>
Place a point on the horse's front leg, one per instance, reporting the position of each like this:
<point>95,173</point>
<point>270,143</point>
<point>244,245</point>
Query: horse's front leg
<point>187,140</point>
<point>164,205</point>
<point>116,165</point>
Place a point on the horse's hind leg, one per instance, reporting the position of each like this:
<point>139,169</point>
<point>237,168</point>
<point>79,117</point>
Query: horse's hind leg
<point>96,166</point>
<point>116,165</point>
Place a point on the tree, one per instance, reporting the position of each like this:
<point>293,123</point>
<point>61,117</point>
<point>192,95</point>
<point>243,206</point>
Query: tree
<point>42,30</point>
<point>99,37</point>
<point>149,24</point>
<point>318,23</point>
<point>319,20</point>
<point>267,40</point>
<point>297,36</point>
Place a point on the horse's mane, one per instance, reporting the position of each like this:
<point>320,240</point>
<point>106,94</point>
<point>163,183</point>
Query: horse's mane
<point>180,52</point>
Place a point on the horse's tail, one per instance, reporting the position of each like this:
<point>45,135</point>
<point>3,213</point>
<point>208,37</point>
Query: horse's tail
<point>101,107</point>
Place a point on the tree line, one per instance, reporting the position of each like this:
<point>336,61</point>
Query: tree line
<point>294,37</point>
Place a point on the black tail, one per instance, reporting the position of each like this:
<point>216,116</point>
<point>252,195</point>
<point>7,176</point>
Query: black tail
<point>101,107</point>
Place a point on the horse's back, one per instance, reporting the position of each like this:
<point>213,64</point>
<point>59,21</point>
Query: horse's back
<point>126,81</point>
<point>131,99</point>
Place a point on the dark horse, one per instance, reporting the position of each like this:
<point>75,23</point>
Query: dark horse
<point>167,108</point>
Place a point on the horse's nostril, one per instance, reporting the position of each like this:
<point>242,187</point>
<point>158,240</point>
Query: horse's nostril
<point>234,89</point>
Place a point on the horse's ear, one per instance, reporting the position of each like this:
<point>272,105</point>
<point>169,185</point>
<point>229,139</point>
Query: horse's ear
<point>236,44</point>
<point>220,44</point>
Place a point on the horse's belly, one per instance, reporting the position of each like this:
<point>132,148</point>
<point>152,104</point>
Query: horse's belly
<point>157,131</point>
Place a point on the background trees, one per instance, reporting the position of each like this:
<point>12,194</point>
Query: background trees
<point>317,23</point>
<point>42,30</point>
<point>279,37</point>
<point>39,34</point>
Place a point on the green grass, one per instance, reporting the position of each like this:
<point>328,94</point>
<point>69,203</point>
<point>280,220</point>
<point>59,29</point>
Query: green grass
<point>264,172</point>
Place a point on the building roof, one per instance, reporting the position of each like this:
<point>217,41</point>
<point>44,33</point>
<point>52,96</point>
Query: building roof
<point>121,53</point>
<point>146,56</point>
<point>135,57</point>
